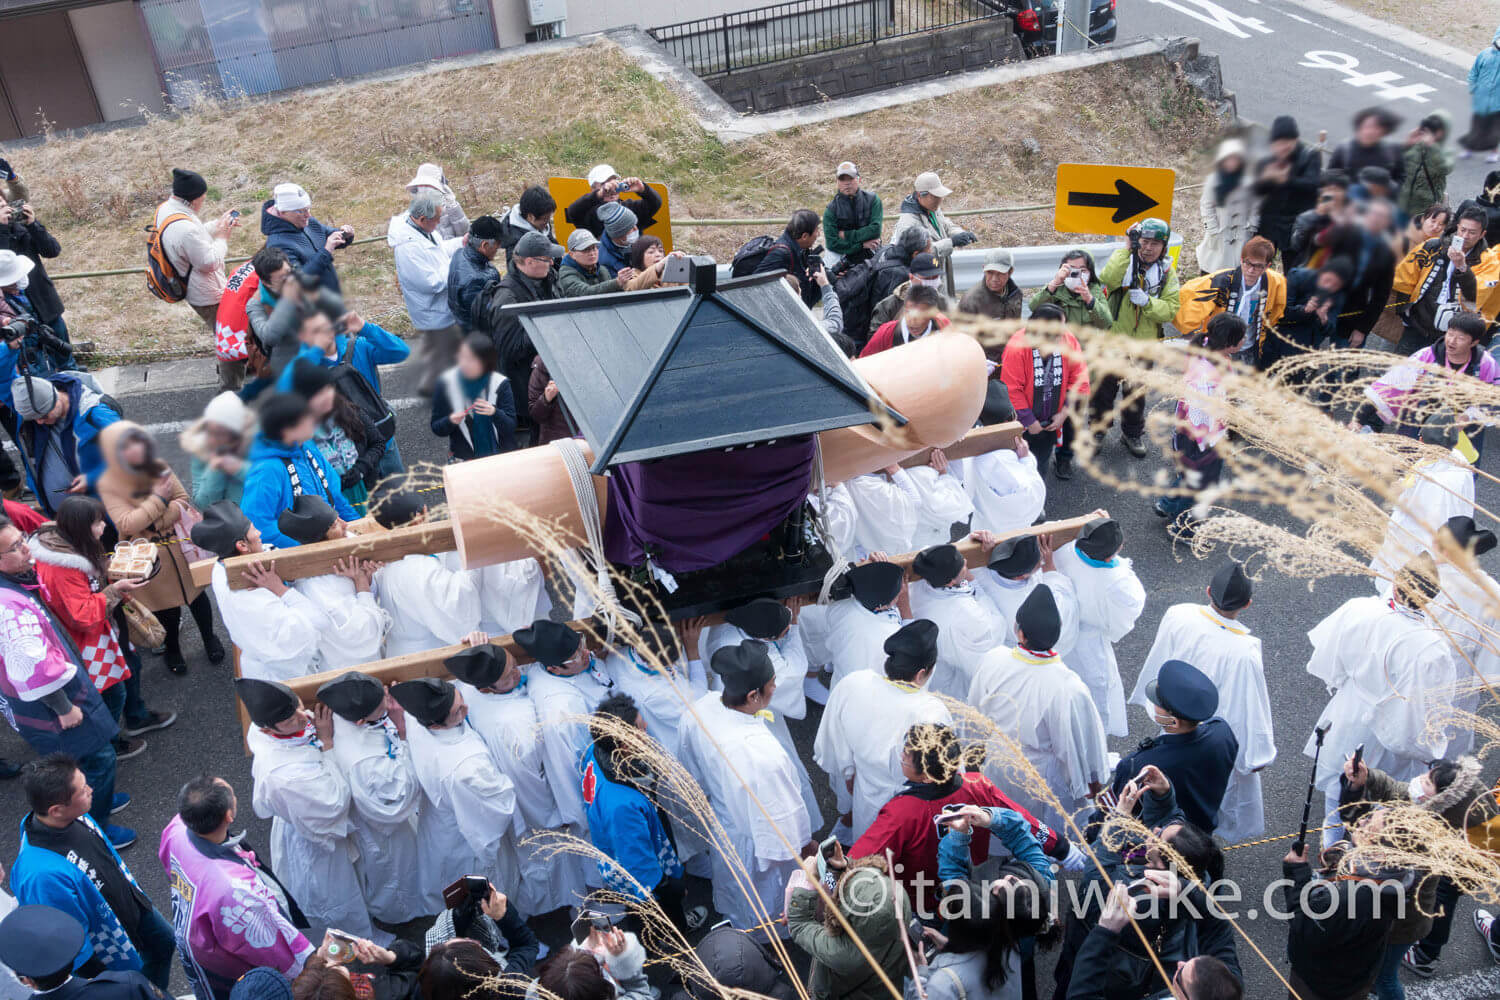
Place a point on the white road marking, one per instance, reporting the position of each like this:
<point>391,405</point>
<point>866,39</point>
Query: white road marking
<point>1332,30</point>
<point>1212,14</point>
<point>1383,82</point>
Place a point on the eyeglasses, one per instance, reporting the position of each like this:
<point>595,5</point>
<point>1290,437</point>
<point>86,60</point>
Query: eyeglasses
<point>16,547</point>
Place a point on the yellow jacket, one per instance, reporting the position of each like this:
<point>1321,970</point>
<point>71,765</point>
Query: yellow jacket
<point>1205,297</point>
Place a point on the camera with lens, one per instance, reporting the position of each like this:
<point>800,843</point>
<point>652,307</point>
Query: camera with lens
<point>15,329</point>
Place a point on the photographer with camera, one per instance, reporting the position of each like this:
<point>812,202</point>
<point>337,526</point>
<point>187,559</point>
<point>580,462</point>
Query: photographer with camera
<point>794,253</point>
<point>20,231</point>
<point>196,252</point>
<point>1077,291</point>
<point>287,222</point>
<point>478,911</point>
<point>605,186</point>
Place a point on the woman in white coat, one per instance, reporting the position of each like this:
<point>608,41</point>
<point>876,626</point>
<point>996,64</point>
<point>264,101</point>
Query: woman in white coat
<point>1229,207</point>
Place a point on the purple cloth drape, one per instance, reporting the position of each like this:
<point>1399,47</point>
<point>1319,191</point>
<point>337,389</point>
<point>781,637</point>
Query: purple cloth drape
<point>698,510</point>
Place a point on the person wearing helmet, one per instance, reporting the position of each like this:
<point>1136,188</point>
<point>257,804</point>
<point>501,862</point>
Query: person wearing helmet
<point>1143,295</point>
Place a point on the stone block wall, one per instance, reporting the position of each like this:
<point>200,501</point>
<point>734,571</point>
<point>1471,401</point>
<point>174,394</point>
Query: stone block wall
<point>866,68</point>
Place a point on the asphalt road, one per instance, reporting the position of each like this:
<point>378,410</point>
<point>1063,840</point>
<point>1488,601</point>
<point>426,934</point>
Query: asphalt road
<point>1287,57</point>
<point>207,736</point>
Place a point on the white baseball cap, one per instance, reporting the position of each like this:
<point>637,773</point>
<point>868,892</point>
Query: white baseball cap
<point>601,173</point>
<point>929,183</point>
<point>290,198</point>
<point>13,267</point>
<point>846,169</point>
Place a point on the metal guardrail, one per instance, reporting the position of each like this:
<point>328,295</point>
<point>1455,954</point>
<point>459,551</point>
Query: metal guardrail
<point>712,46</point>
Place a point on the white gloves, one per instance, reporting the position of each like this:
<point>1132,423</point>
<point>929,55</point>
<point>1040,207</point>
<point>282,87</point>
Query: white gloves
<point>1076,861</point>
<point>1139,297</point>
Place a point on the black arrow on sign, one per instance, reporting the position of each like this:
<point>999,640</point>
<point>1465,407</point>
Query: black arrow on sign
<point>1127,201</point>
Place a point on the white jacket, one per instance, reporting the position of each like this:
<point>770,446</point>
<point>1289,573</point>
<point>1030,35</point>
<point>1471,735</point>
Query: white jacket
<point>194,252</point>
<point>422,270</point>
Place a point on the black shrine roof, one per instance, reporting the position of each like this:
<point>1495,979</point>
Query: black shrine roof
<point>652,374</point>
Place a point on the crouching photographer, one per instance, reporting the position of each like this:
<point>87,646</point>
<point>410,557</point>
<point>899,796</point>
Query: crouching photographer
<point>479,912</point>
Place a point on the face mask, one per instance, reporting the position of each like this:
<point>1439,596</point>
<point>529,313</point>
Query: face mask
<point>1416,789</point>
<point>926,282</point>
<point>632,236</point>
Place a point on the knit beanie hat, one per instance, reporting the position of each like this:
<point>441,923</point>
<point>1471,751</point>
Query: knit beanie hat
<point>188,185</point>
<point>1284,127</point>
<point>32,397</point>
<point>616,218</point>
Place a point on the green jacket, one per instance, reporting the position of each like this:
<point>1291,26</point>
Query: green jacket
<point>211,485</point>
<point>1076,313</point>
<point>1143,322</point>
<point>1426,181</point>
<point>839,971</point>
<point>852,239</point>
<point>573,282</point>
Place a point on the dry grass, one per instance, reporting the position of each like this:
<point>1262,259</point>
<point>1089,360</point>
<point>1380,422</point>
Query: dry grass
<point>1468,24</point>
<point>497,129</point>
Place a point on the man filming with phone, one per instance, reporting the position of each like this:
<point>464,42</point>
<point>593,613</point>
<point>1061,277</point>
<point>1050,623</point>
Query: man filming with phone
<point>476,910</point>
<point>196,251</point>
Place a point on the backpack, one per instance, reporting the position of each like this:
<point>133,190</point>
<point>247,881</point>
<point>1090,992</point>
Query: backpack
<point>161,276</point>
<point>350,381</point>
<point>748,257</point>
<point>856,292</point>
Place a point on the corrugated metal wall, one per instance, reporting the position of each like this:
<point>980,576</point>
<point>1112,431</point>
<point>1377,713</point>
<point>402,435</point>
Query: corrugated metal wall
<point>256,46</point>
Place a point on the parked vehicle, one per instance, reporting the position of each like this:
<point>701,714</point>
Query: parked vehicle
<point>1036,22</point>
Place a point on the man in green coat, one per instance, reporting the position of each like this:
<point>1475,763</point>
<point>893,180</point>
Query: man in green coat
<point>1076,290</point>
<point>852,220</point>
<point>1143,296</point>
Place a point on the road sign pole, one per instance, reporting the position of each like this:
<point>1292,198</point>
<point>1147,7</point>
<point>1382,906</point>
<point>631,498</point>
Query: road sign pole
<point>1073,26</point>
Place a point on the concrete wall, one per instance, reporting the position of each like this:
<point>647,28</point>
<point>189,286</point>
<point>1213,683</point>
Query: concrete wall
<point>867,68</point>
<point>118,56</point>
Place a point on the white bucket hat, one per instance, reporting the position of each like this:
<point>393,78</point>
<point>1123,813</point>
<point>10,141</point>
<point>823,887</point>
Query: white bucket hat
<point>429,175</point>
<point>14,268</point>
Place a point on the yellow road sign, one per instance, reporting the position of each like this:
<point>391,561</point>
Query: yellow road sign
<point>1104,198</point>
<point>566,190</point>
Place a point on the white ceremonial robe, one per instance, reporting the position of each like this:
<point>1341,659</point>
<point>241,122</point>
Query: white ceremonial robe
<point>730,753</point>
<point>355,625</point>
<point>1007,491</point>
<point>385,798</point>
<point>941,504</point>
<point>836,509</point>
<point>1224,650</point>
<point>968,627</point>
<point>509,726</point>
<point>1008,595</point>
<point>856,638</point>
<point>430,605</point>
<point>1432,493</point>
<point>562,705</point>
<point>1386,668</point>
<point>1469,609</point>
<point>1048,710</point>
<point>1110,599</point>
<point>863,734</point>
<point>661,695</point>
<point>887,514</point>
<point>469,818</point>
<point>789,701</point>
<point>305,795</point>
<point>512,595</point>
<point>277,636</point>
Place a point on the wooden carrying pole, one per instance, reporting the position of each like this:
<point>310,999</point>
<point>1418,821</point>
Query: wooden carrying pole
<point>429,663</point>
<point>438,536</point>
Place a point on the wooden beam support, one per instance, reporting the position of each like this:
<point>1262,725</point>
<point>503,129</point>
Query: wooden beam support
<point>977,442</point>
<point>429,663</point>
<point>316,560</point>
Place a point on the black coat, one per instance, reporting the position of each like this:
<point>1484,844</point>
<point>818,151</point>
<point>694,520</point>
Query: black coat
<point>1198,765</point>
<point>1365,300</point>
<point>511,341</point>
<point>1282,203</point>
<point>107,986</point>
<point>447,400</point>
<point>1338,955</point>
<point>35,242</point>
<point>786,255</point>
<point>582,214</point>
<point>1351,158</point>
